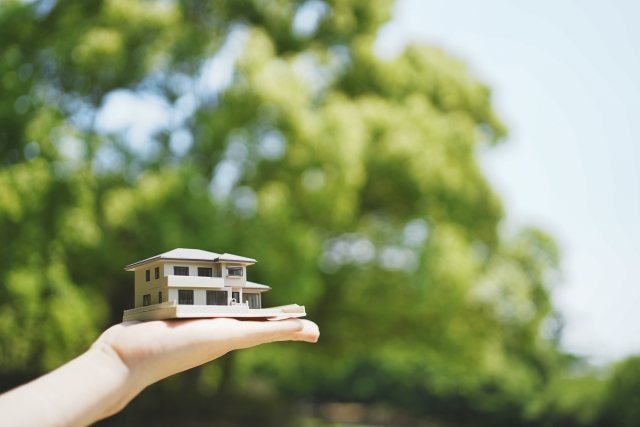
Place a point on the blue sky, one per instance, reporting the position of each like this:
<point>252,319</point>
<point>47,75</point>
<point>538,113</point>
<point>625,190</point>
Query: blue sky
<point>565,79</point>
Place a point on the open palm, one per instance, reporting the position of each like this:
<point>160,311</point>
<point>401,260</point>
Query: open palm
<point>157,349</point>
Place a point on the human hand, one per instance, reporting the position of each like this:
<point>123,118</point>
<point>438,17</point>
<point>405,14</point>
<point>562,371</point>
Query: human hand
<point>155,350</point>
<point>130,356</point>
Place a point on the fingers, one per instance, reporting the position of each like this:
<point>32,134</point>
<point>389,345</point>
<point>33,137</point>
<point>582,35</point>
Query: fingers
<point>255,333</point>
<point>309,333</point>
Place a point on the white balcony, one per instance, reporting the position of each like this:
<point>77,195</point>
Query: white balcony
<point>193,282</point>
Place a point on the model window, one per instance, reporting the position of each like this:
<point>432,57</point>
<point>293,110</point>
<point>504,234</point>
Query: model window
<point>157,272</point>
<point>234,271</point>
<point>180,271</point>
<point>205,272</point>
<point>185,297</point>
<point>252,299</point>
<point>159,297</point>
<point>148,275</point>
<point>216,297</point>
<point>146,299</point>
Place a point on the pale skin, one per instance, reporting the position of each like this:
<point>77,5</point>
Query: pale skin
<point>130,356</point>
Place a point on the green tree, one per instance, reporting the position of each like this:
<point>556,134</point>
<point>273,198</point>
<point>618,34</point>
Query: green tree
<point>354,181</point>
<point>621,401</point>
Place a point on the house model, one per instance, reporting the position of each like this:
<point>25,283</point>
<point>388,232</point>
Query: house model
<point>185,283</point>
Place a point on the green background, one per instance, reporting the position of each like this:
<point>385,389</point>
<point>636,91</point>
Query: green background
<point>352,180</point>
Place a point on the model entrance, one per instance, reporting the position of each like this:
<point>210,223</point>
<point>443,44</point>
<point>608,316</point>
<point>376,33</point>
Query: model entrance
<point>235,297</point>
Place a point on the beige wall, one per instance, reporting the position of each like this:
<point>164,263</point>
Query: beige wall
<point>153,286</point>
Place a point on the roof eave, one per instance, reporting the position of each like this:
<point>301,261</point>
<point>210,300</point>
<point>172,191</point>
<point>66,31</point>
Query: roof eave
<point>132,267</point>
<point>248,261</point>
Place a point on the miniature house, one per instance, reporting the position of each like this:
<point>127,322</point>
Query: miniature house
<point>197,283</point>
<point>195,277</point>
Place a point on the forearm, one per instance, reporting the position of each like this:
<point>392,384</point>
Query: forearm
<point>91,387</point>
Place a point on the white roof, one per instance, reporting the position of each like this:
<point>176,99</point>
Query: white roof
<point>235,258</point>
<point>193,255</point>
<point>251,285</point>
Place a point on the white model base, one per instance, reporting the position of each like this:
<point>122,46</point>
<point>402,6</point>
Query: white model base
<point>171,310</point>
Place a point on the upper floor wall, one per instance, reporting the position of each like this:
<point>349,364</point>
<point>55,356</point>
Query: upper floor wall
<point>148,276</point>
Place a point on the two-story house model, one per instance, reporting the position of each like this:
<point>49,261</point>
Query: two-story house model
<point>185,283</point>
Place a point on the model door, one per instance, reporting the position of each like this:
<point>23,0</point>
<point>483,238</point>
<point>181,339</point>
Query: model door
<point>236,296</point>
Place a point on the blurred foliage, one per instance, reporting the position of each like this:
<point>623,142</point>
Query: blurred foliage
<point>353,180</point>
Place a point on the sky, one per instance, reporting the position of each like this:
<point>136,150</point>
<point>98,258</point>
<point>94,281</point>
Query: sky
<point>565,80</point>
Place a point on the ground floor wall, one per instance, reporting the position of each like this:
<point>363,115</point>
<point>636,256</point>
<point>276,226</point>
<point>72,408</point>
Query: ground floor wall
<point>163,294</point>
<point>155,295</point>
